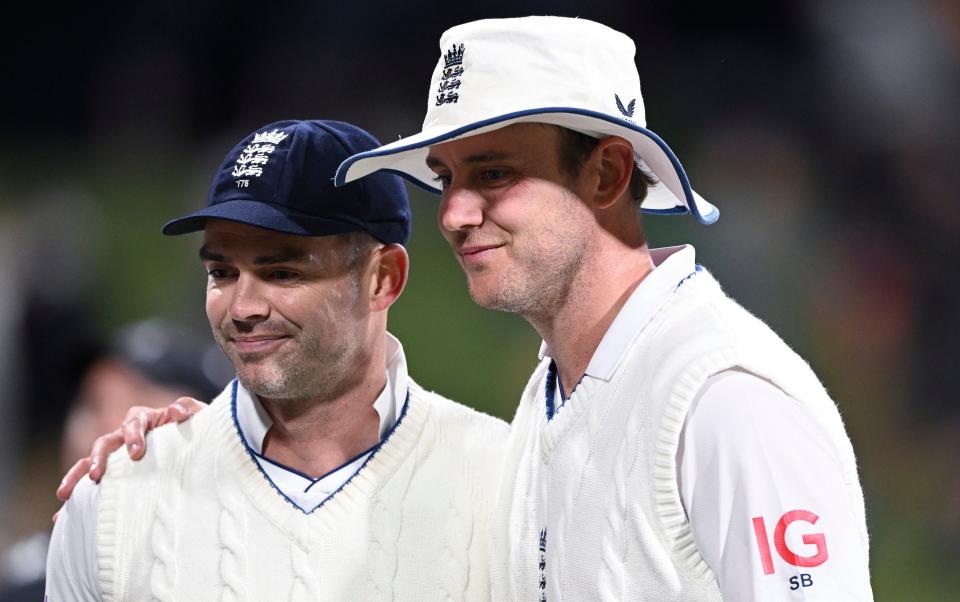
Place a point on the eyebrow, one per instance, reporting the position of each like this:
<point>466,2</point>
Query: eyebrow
<point>284,255</point>
<point>208,255</point>
<point>477,158</point>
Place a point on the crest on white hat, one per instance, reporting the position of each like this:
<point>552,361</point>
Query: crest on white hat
<point>556,70</point>
<point>450,78</point>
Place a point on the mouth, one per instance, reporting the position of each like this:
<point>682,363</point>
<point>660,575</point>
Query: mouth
<point>257,344</point>
<point>474,253</point>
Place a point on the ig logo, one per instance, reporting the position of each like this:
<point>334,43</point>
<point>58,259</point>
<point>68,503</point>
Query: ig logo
<point>779,542</point>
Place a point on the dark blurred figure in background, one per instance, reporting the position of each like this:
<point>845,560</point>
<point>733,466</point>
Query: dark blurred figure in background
<point>148,363</point>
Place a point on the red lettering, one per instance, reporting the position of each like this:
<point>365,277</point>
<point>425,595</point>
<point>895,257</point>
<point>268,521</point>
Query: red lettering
<point>815,539</point>
<point>779,541</point>
<point>760,530</point>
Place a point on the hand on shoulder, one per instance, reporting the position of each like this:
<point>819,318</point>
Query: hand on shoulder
<point>132,433</point>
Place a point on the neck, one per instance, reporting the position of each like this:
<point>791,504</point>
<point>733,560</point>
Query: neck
<point>574,330</point>
<point>318,434</point>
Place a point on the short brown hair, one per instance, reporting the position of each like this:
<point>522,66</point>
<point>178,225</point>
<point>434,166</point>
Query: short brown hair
<point>357,246</point>
<point>576,147</point>
<point>355,249</point>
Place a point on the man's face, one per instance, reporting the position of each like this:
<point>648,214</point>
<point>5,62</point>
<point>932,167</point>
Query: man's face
<point>286,309</point>
<point>512,217</point>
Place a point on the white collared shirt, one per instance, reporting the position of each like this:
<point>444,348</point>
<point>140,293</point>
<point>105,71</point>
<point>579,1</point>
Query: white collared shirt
<point>673,265</point>
<point>307,493</point>
<point>724,463</point>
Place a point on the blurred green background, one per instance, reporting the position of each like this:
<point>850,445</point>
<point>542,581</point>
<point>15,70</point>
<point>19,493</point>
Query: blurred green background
<point>825,132</point>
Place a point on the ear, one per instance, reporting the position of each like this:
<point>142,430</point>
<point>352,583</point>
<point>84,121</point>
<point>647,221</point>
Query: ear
<point>390,267</point>
<point>613,161</point>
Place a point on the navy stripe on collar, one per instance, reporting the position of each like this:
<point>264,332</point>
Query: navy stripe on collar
<point>551,386</point>
<point>253,455</point>
<point>553,377</point>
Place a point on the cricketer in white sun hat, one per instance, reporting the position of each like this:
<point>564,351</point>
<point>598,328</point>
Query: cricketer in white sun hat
<point>573,73</point>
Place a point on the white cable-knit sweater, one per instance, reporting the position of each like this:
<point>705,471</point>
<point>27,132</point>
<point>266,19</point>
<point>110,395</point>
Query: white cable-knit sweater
<point>196,519</point>
<point>589,505</point>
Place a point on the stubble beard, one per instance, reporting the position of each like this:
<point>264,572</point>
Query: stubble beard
<point>290,374</point>
<point>531,292</point>
<point>539,285</point>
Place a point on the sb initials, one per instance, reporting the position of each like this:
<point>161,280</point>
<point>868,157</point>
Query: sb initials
<point>780,543</point>
<point>801,580</point>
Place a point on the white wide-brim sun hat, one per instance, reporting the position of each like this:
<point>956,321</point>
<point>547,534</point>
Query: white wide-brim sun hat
<point>573,73</point>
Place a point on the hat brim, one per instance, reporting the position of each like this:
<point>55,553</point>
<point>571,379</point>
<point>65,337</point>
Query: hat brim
<point>261,215</point>
<point>671,195</point>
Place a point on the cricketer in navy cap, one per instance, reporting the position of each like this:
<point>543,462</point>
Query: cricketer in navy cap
<point>280,178</point>
<point>323,471</point>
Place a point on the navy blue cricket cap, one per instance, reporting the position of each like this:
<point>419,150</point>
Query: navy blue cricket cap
<point>280,178</point>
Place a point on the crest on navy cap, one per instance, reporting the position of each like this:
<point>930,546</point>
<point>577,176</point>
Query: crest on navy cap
<point>256,155</point>
<point>280,177</point>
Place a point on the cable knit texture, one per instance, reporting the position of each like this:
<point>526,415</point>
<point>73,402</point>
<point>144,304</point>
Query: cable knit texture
<point>600,478</point>
<point>231,536</point>
<point>197,520</point>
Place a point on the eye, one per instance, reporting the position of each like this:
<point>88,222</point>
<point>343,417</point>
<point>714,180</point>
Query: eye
<point>218,274</point>
<point>283,275</point>
<point>444,180</point>
<point>492,175</point>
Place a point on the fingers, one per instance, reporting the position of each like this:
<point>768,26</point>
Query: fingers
<point>56,515</point>
<point>70,480</point>
<point>182,409</point>
<point>103,447</point>
<point>140,420</point>
<point>134,428</point>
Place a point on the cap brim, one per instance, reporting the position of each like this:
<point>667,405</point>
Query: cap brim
<point>672,194</point>
<point>261,215</point>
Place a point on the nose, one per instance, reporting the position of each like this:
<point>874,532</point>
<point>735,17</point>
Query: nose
<point>460,208</point>
<point>248,303</point>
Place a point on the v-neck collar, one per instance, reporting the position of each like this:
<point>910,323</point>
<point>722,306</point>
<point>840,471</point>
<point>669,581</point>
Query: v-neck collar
<point>384,463</point>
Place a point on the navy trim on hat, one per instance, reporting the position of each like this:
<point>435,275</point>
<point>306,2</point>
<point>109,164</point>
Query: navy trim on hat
<point>709,218</point>
<point>678,211</point>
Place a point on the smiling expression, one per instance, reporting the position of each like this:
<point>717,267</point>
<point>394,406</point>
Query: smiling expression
<point>287,310</point>
<point>512,217</point>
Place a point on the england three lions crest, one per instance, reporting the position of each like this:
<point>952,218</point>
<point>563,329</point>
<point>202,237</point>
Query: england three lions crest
<point>450,79</point>
<point>255,155</point>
